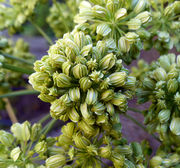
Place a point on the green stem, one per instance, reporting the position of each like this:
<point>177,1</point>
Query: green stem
<point>48,127</point>
<point>46,117</point>
<point>140,125</point>
<point>41,31</point>
<point>16,58</point>
<point>17,69</point>
<point>63,19</point>
<point>19,93</point>
<point>134,110</point>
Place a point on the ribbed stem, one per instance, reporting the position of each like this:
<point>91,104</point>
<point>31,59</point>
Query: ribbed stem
<point>41,31</point>
<point>46,117</point>
<point>16,58</point>
<point>17,69</point>
<point>48,127</point>
<point>19,93</point>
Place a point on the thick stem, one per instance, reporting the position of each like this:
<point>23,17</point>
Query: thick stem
<point>17,69</point>
<point>10,111</point>
<point>19,93</point>
<point>41,31</point>
<point>48,127</point>
<point>46,117</point>
<point>16,58</point>
<point>140,125</point>
<point>63,19</point>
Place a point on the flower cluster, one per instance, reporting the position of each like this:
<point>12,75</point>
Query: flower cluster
<point>82,81</point>
<point>86,149</point>
<point>164,160</point>
<point>16,12</point>
<point>165,25</point>
<point>25,146</point>
<point>61,16</point>
<point>116,19</point>
<point>162,87</point>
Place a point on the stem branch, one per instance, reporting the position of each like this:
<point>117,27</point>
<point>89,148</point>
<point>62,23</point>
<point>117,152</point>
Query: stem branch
<point>16,58</point>
<point>140,125</point>
<point>19,93</point>
<point>10,111</point>
<point>17,69</point>
<point>41,31</point>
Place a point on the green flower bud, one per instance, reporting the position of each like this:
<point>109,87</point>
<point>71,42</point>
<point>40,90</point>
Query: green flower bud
<point>107,95</point>
<point>84,111</point>
<point>137,151</point>
<point>173,73</point>
<point>21,131</point>
<point>102,119</point>
<point>108,62</point>
<point>164,115</point>
<point>144,17</point>
<point>121,14</point>
<point>41,147</point>
<point>80,71</point>
<point>92,150</point>
<point>68,129</point>
<point>105,152</point>
<point>99,11</point>
<point>163,36</point>
<point>156,161</point>
<point>131,82</point>
<point>125,150</point>
<point>63,140</point>
<point>175,126</point>
<point>124,45</point>
<point>86,128</point>
<point>172,85</point>
<point>85,83</point>
<point>73,115</point>
<point>131,37</point>
<point>119,100</point>
<point>169,10</point>
<point>66,66</point>
<point>6,138</point>
<point>141,4</point>
<point>56,161</point>
<point>91,96</point>
<point>57,60</point>
<point>98,108</point>
<point>46,98</point>
<point>134,24</point>
<point>62,80</point>
<point>86,50</point>
<point>15,153</point>
<point>117,159</point>
<point>38,79</point>
<point>74,94</point>
<point>81,141</point>
<point>118,79</point>
<point>110,109</point>
<point>96,76</point>
<point>160,74</point>
<point>35,132</point>
<point>103,29</point>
